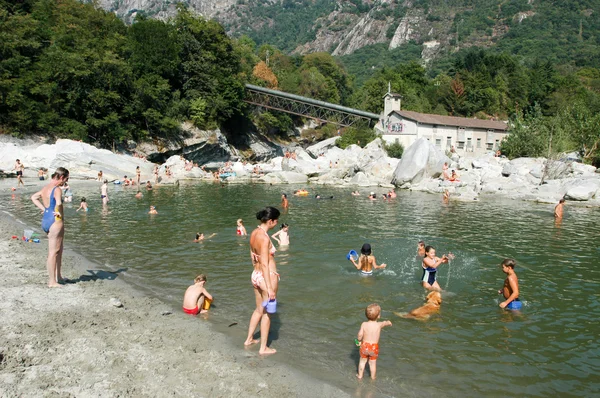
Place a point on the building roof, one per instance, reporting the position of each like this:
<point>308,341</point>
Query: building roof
<point>428,118</point>
<point>394,95</point>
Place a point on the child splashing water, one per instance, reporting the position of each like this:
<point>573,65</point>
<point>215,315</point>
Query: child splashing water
<point>366,262</point>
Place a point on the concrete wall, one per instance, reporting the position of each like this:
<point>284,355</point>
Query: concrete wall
<point>466,141</point>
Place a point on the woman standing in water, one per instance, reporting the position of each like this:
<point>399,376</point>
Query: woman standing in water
<point>265,278</point>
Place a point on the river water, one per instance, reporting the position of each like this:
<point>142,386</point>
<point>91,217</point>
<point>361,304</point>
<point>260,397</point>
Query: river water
<point>471,348</point>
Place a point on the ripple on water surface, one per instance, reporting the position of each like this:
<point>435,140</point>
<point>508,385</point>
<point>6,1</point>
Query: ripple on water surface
<point>471,347</point>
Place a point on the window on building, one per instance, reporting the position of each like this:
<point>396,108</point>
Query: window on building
<point>469,143</point>
<point>489,146</point>
<point>397,140</point>
<point>448,142</point>
<point>497,144</point>
<point>438,142</point>
<point>478,142</point>
<point>461,145</point>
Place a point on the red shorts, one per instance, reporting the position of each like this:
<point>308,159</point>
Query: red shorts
<point>194,311</point>
<point>369,350</point>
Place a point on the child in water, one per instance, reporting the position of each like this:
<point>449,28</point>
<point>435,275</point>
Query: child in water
<point>195,297</point>
<point>83,205</point>
<point>366,262</point>
<point>282,236</point>
<point>153,210</point>
<point>368,340</point>
<point>510,290</point>
<point>241,230</point>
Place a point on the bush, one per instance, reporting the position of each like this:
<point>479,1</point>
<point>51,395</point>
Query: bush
<point>360,136</point>
<point>394,150</point>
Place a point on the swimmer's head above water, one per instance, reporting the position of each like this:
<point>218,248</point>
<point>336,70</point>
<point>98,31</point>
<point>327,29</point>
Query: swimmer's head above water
<point>268,214</point>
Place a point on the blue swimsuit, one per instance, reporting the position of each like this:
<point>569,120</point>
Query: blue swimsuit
<point>429,275</point>
<point>48,217</point>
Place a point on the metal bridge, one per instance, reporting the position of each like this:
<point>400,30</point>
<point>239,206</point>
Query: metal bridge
<point>307,107</point>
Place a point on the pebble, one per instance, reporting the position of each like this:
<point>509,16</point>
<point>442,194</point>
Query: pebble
<point>116,302</point>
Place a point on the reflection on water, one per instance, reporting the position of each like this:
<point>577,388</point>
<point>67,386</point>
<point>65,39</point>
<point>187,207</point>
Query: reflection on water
<point>470,348</point>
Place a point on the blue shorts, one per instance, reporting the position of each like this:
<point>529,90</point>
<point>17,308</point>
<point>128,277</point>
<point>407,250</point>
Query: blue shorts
<point>516,304</point>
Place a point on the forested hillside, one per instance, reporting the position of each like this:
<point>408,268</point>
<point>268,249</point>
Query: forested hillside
<point>70,70</point>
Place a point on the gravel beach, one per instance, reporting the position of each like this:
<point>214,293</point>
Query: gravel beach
<point>77,341</point>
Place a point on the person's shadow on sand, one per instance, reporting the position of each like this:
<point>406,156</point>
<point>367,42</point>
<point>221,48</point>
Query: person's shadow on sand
<point>95,275</point>
<point>273,330</point>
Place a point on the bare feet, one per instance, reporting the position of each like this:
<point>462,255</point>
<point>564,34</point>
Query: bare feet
<point>250,342</point>
<point>267,351</point>
<point>54,285</point>
<point>203,311</point>
<point>359,376</point>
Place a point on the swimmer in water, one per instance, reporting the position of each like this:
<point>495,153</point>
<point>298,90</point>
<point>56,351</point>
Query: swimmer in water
<point>139,194</point>
<point>284,201</point>
<point>366,262</point>
<point>138,174</point>
<point>421,249</point>
<point>241,230</point>
<point>373,196</point>
<point>510,290</point>
<point>430,265</point>
<point>83,205</point>
<point>559,209</point>
<point>148,186</point>
<point>446,196</point>
<point>153,210</point>
<point>282,236</point>
<point>200,237</point>
<point>104,192</point>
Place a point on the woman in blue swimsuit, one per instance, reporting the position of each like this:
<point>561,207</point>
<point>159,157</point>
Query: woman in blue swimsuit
<point>49,201</point>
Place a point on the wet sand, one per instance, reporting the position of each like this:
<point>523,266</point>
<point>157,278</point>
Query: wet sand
<point>72,341</point>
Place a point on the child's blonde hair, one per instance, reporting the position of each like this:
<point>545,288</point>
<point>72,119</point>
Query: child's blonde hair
<point>372,311</point>
<point>239,220</point>
<point>200,278</point>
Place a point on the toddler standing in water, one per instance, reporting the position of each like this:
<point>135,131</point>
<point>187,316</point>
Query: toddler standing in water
<point>366,262</point>
<point>368,339</point>
<point>282,236</point>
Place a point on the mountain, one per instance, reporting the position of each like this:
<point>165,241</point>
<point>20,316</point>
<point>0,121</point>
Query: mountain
<point>566,31</point>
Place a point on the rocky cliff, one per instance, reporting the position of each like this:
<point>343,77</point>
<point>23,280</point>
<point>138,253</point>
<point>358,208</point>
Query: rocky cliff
<point>343,26</point>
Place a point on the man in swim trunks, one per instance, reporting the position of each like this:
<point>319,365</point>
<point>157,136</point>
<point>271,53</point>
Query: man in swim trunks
<point>510,290</point>
<point>104,193</point>
<point>19,167</point>
<point>193,299</point>
<point>368,335</point>
<point>49,201</point>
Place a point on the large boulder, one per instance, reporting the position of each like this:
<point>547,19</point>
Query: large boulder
<point>199,146</point>
<point>284,177</point>
<point>582,190</point>
<point>322,147</point>
<point>420,160</point>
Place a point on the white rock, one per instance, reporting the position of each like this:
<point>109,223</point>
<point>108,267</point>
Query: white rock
<point>583,190</point>
<point>322,147</point>
<point>420,160</point>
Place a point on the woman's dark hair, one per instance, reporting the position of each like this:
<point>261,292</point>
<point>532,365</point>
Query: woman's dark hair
<point>83,199</point>
<point>428,249</point>
<point>268,213</point>
<point>197,235</point>
<point>60,173</point>
<point>283,225</point>
<point>366,249</point>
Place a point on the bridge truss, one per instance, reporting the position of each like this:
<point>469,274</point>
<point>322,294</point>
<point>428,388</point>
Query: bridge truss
<point>307,107</point>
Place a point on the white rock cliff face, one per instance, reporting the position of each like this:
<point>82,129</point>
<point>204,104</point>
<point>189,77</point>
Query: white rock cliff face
<point>127,9</point>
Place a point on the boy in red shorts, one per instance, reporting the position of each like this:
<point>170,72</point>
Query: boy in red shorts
<point>195,295</point>
<point>368,335</point>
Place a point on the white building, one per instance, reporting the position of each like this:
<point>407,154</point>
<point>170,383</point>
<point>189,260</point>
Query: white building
<point>466,135</point>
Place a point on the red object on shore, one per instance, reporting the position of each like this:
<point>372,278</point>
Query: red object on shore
<point>15,237</point>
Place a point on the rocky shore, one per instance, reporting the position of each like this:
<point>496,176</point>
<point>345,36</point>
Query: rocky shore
<point>420,169</point>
